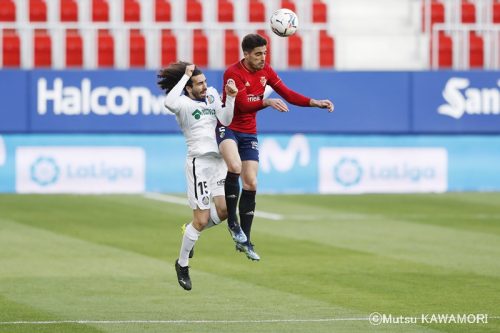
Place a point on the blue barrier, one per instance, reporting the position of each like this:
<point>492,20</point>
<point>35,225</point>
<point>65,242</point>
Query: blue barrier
<point>71,101</point>
<point>288,163</point>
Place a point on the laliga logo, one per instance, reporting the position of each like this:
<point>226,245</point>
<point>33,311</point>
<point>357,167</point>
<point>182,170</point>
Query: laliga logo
<point>44,171</point>
<point>348,172</point>
<point>101,101</point>
<point>284,159</point>
<point>472,101</point>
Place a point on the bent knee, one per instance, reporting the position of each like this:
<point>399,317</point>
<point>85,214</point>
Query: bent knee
<point>234,167</point>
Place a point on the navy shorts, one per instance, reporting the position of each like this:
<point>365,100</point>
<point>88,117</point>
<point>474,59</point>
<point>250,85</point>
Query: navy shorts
<point>248,145</point>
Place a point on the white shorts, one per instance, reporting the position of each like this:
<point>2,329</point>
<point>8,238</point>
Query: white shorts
<point>205,176</point>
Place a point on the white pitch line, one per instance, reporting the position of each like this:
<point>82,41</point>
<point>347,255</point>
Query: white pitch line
<point>181,201</point>
<point>123,322</point>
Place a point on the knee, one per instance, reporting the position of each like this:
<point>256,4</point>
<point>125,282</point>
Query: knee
<point>234,166</point>
<point>250,184</point>
<point>199,223</point>
<point>222,213</point>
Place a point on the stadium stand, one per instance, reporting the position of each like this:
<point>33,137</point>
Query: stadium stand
<point>106,49</point>
<point>163,11</point>
<point>7,11</point>
<point>131,11</point>
<point>11,48</point>
<point>38,10</point>
<point>225,11</point>
<point>74,48</point>
<point>137,49</point>
<point>232,47</point>
<point>68,11</point>
<point>341,33</point>
<point>168,47</point>
<point>42,48</point>
<point>100,11</point>
<point>256,11</point>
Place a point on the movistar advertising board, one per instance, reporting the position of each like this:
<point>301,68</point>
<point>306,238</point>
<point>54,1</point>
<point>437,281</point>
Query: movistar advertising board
<point>288,164</point>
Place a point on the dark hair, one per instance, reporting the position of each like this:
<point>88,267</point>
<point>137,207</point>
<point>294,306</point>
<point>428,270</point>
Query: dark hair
<point>251,41</point>
<point>168,77</point>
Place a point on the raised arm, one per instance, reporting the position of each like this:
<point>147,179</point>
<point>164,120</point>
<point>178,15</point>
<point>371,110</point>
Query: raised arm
<point>225,114</point>
<point>172,101</point>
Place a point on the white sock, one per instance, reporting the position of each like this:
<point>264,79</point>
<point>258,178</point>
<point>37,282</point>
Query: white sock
<point>190,237</point>
<point>214,218</point>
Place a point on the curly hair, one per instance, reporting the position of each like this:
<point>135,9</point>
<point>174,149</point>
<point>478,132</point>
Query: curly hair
<point>168,77</point>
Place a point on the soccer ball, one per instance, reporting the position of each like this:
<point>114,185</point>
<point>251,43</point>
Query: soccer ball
<point>284,22</point>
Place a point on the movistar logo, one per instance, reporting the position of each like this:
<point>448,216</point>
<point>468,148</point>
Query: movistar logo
<point>205,112</point>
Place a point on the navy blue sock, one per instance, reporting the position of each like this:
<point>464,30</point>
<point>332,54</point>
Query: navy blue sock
<point>247,210</point>
<point>232,192</point>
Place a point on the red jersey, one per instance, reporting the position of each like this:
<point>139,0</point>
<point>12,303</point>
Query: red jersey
<point>251,86</point>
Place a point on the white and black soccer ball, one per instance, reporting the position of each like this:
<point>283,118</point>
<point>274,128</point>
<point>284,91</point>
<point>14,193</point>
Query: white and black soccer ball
<point>284,22</point>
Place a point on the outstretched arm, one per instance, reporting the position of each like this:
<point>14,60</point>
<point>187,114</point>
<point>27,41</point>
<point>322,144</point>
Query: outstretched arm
<point>172,99</point>
<point>295,98</point>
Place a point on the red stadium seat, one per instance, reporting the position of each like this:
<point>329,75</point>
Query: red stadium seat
<point>294,51</point>
<point>468,12</point>
<point>100,11</point>
<point>105,49</point>
<point>200,49</point>
<point>496,12</point>
<point>225,11</point>
<point>163,11</point>
<point>42,49</point>
<point>68,11</point>
<point>437,14</point>
<point>137,54</point>
<point>168,48</point>
<point>131,11</point>
<point>264,34</point>
<point>7,11</point>
<point>74,49</point>
<point>256,11</point>
<point>319,10</point>
<point>38,11</point>
<point>326,50</point>
<point>194,11</point>
<point>445,52</point>
<point>476,50</point>
<point>232,48</point>
<point>288,4</point>
<point>11,49</point>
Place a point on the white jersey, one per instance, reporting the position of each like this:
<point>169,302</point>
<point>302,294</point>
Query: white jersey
<point>198,119</point>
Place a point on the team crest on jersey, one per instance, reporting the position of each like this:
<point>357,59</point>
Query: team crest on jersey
<point>263,81</point>
<point>210,99</point>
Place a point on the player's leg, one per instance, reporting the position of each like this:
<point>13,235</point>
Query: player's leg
<point>199,200</point>
<point>250,165</point>
<point>193,230</point>
<point>229,150</point>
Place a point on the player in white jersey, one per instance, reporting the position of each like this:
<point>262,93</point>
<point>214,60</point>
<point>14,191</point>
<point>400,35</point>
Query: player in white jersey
<point>197,109</point>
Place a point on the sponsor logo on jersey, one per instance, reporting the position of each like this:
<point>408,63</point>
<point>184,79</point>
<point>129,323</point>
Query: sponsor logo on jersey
<point>197,114</point>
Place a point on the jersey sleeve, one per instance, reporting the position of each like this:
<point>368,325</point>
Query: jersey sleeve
<point>244,105</point>
<point>172,101</point>
<point>288,94</point>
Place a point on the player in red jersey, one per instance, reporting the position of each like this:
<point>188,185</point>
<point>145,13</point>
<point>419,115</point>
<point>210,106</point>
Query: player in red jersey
<point>238,142</point>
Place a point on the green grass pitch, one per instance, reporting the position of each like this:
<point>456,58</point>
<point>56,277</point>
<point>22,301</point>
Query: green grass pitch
<point>72,263</point>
